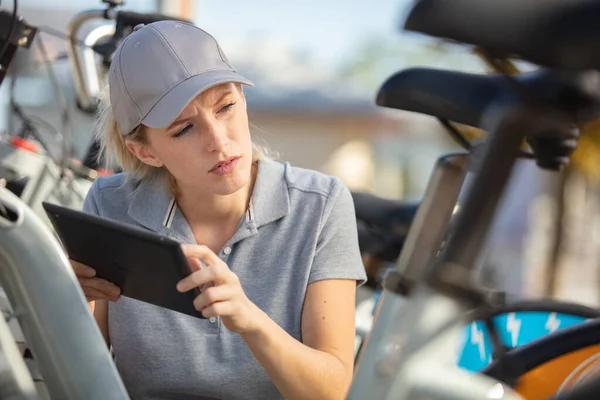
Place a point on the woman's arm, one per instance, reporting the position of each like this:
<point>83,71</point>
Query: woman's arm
<point>322,366</point>
<point>319,368</point>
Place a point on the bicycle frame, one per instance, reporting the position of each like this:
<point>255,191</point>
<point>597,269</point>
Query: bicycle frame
<point>51,309</point>
<point>423,241</point>
<point>16,380</point>
<point>412,351</point>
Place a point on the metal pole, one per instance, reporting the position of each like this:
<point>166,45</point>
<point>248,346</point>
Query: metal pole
<point>373,377</point>
<point>439,203</point>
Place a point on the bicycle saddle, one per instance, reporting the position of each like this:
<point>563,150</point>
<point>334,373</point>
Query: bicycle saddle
<point>553,33</point>
<point>389,215</point>
<point>464,97</point>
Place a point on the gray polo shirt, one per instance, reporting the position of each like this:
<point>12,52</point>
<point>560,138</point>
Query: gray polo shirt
<point>300,228</point>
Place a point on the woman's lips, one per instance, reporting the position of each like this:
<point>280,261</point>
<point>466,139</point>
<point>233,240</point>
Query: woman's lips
<point>226,166</point>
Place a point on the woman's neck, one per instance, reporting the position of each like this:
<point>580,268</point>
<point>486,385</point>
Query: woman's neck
<point>200,209</point>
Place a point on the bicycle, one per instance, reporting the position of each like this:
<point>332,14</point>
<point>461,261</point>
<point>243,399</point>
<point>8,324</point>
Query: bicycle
<point>35,169</point>
<point>487,336</point>
<point>41,168</point>
<point>449,298</point>
<point>431,290</point>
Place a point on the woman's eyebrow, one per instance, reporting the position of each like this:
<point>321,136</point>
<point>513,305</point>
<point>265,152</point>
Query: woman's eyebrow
<point>178,121</point>
<point>225,93</point>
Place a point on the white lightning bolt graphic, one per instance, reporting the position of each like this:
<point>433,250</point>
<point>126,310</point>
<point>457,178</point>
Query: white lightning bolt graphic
<point>477,338</point>
<point>553,323</point>
<point>513,325</point>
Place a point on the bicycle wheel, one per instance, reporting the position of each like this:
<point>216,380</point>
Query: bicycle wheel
<point>550,365</point>
<point>516,325</point>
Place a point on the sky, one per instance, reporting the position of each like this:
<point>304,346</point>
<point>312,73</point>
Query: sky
<point>326,30</point>
<point>323,30</point>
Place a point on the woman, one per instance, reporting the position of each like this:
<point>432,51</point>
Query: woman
<point>274,247</point>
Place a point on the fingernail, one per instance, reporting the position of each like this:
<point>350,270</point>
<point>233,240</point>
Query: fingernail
<point>115,289</point>
<point>181,287</point>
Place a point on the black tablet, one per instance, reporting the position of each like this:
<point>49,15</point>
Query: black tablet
<point>145,265</point>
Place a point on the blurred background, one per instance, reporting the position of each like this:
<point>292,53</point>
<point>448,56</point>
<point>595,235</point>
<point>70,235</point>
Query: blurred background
<point>317,67</point>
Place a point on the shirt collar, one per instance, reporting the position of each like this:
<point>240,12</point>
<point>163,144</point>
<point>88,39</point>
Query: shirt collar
<point>153,206</point>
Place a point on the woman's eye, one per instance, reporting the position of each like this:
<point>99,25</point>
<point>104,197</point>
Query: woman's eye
<point>183,131</point>
<point>227,107</point>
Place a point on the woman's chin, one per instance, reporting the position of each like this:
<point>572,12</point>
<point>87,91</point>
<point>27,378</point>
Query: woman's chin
<point>229,185</point>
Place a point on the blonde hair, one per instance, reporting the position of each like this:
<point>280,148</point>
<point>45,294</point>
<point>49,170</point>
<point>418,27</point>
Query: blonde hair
<point>114,152</point>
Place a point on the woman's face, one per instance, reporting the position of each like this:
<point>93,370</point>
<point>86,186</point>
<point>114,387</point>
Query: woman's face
<point>208,146</point>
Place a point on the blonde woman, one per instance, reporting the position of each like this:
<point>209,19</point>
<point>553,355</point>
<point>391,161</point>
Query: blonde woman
<point>279,242</point>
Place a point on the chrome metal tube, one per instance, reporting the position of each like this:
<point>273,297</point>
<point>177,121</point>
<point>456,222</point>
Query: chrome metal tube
<point>427,230</point>
<point>51,309</point>
<point>91,74</point>
<point>85,75</point>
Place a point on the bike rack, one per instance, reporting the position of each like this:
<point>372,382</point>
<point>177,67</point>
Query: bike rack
<point>48,303</point>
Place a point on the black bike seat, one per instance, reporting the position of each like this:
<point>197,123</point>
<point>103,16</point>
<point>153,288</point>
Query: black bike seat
<point>464,97</point>
<point>379,243</point>
<point>553,33</point>
<point>393,216</point>
<point>457,96</point>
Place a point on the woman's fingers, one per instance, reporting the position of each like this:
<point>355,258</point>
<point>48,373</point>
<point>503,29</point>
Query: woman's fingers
<point>218,274</point>
<point>105,288</point>
<point>219,309</point>
<point>212,295</point>
<point>197,278</point>
<point>206,255</point>
<point>195,264</point>
<point>82,269</point>
<point>92,294</point>
<point>94,288</point>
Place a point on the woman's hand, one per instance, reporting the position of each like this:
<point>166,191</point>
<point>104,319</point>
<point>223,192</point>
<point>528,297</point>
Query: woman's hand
<point>225,298</point>
<point>94,288</point>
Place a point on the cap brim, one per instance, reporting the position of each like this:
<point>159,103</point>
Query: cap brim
<point>175,100</point>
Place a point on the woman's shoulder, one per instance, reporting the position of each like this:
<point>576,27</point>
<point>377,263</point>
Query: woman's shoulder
<point>110,192</point>
<point>110,184</point>
<point>310,181</point>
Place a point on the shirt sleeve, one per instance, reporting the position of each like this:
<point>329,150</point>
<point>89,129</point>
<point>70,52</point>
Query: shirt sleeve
<point>337,254</point>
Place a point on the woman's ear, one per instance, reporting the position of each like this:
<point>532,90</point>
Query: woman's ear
<point>143,153</point>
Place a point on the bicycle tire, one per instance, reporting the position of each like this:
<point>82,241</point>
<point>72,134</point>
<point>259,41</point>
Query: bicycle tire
<point>551,364</point>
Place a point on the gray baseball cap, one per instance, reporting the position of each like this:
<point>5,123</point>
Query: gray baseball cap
<point>159,68</point>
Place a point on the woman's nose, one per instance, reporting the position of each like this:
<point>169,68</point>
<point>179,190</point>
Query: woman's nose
<point>218,138</point>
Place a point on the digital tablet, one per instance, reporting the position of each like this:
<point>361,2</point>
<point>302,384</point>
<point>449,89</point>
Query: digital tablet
<point>145,265</point>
